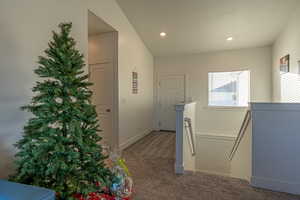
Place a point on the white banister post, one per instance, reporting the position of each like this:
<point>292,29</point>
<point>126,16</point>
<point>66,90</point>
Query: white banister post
<point>179,166</point>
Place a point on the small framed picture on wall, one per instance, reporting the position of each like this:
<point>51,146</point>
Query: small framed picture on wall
<point>285,64</point>
<point>134,82</point>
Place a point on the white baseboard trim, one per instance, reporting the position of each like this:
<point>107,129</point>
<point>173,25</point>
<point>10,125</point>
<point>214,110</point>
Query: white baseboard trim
<point>275,185</point>
<point>216,136</point>
<point>212,172</point>
<point>242,177</point>
<point>134,139</point>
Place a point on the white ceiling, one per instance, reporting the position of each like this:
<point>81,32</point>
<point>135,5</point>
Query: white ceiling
<point>203,25</point>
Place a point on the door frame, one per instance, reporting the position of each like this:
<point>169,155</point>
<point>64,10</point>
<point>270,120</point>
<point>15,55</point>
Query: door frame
<point>159,78</point>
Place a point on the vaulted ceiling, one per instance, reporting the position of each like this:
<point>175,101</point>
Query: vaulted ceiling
<point>194,26</point>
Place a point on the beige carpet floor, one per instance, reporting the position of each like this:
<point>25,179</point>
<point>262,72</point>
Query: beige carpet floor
<point>151,162</point>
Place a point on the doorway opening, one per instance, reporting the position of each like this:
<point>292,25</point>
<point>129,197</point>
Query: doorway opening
<point>103,73</point>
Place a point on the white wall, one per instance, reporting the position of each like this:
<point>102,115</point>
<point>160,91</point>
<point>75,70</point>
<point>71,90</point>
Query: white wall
<point>241,163</point>
<point>196,67</point>
<point>212,155</point>
<point>217,128</point>
<point>25,30</point>
<point>286,86</point>
<point>135,110</point>
<point>189,137</point>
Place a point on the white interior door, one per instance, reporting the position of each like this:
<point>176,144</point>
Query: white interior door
<point>101,76</point>
<point>102,56</point>
<point>171,92</point>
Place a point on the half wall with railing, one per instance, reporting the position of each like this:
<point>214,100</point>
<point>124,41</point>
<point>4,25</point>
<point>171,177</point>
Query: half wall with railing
<point>266,149</point>
<point>185,137</point>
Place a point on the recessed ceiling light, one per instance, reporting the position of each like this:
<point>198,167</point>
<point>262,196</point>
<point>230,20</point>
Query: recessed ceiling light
<point>229,39</point>
<point>163,34</point>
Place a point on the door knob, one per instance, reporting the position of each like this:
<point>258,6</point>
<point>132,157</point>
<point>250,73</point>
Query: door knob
<point>108,110</point>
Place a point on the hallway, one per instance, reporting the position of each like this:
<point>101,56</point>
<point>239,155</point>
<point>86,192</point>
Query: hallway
<point>151,162</point>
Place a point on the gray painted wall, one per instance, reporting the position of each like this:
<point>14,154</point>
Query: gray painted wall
<point>275,146</point>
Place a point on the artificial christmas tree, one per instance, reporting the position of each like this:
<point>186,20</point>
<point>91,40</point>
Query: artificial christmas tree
<point>60,147</point>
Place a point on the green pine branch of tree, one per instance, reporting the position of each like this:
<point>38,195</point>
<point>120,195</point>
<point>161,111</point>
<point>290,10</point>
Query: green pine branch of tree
<point>60,147</point>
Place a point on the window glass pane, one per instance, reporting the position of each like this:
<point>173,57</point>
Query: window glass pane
<point>229,88</point>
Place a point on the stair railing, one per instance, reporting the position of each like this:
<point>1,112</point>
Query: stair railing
<point>240,135</point>
<point>189,132</point>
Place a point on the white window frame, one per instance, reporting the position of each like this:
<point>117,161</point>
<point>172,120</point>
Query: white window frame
<point>224,107</point>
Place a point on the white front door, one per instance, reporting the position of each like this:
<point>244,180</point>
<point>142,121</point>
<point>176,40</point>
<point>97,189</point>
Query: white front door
<point>171,92</point>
